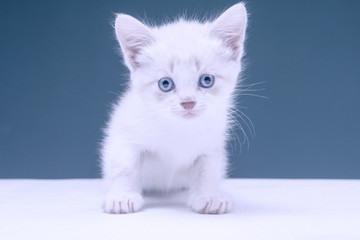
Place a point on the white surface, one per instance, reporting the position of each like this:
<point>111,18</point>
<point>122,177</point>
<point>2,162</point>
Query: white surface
<point>264,209</point>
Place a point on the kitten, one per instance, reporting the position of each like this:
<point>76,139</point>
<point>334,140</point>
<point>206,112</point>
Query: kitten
<point>169,130</point>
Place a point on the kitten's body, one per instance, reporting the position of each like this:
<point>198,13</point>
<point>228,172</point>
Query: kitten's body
<point>152,140</point>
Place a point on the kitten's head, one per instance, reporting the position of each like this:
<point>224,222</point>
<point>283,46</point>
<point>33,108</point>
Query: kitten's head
<point>184,69</point>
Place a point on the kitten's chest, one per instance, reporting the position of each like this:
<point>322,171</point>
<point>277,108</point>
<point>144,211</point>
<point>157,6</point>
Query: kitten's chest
<point>183,144</point>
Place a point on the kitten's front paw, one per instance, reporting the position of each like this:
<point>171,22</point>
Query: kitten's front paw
<point>125,203</point>
<point>210,204</point>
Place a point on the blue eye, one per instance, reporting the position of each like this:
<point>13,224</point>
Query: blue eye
<point>166,84</point>
<point>206,80</point>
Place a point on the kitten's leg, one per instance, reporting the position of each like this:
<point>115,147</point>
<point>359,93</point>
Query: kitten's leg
<point>121,166</point>
<point>205,193</point>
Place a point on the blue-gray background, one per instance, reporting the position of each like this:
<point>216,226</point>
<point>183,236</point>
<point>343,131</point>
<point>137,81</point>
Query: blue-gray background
<point>59,72</point>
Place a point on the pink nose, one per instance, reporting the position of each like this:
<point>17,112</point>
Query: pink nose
<point>188,105</point>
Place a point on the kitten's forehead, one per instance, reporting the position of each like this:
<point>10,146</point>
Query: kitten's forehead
<point>187,41</point>
<point>176,63</point>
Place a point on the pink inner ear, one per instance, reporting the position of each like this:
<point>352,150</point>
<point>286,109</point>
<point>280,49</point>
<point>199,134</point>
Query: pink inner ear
<point>133,47</point>
<point>232,41</point>
<point>134,44</point>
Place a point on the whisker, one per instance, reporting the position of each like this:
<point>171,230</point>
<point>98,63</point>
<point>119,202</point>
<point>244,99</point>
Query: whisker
<point>252,84</point>
<point>115,93</point>
<point>251,90</point>
<point>252,125</point>
<point>236,138</point>
<point>251,129</point>
<point>238,125</point>
<point>237,115</point>
<point>253,95</point>
<point>238,111</point>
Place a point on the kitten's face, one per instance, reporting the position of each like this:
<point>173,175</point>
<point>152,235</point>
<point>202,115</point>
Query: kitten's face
<point>184,69</point>
<point>186,74</point>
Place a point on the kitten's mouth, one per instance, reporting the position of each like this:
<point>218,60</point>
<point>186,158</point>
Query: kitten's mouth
<point>189,113</point>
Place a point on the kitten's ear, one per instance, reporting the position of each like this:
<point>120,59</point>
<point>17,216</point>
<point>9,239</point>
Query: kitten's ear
<point>132,36</point>
<point>230,27</point>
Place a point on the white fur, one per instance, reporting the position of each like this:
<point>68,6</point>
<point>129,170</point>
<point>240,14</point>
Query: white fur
<point>149,143</point>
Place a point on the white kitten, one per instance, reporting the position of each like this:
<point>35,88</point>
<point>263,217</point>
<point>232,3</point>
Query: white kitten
<point>169,130</point>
